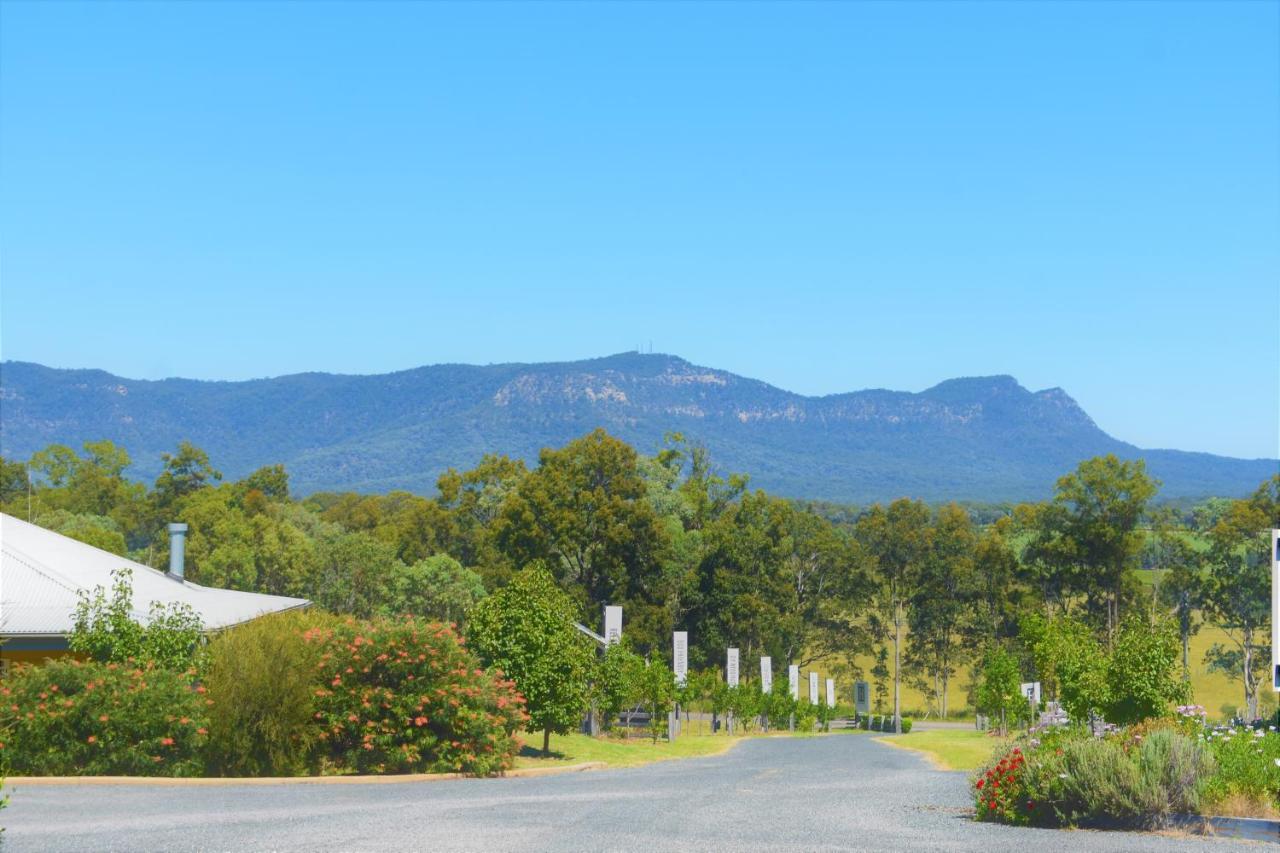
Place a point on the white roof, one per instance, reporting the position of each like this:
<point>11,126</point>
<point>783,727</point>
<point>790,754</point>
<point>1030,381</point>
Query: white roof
<point>42,572</point>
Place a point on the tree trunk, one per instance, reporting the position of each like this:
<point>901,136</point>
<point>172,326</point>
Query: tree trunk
<point>944,690</point>
<point>897,676</point>
<point>546,741</point>
<point>1250,685</point>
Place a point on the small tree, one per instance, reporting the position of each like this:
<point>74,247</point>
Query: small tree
<point>1143,677</point>
<point>657,691</point>
<point>526,630</point>
<point>1000,689</point>
<point>106,631</point>
<point>617,681</point>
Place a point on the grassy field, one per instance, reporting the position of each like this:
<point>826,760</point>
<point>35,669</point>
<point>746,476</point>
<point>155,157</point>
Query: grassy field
<point>616,752</point>
<point>949,749</point>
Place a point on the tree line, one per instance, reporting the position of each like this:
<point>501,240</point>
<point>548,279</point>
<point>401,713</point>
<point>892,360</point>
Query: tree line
<point>923,590</point>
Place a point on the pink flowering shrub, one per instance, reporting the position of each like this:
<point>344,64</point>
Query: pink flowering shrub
<point>71,718</point>
<point>404,695</point>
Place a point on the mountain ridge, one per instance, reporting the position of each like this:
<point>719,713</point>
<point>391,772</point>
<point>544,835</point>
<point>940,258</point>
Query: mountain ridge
<point>976,438</point>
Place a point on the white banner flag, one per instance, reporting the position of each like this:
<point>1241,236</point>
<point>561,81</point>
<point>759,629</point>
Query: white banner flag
<point>813,688</point>
<point>731,668</point>
<point>1275,608</point>
<point>831,693</point>
<point>680,656</point>
<point>766,675</point>
<point>612,624</point>
<point>793,680</point>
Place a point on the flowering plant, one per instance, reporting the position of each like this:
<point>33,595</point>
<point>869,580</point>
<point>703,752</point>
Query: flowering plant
<point>73,718</point>
<point>405,695</point>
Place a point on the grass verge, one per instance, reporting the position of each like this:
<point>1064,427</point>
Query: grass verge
<point>618,752</point>
<point>949,749</point>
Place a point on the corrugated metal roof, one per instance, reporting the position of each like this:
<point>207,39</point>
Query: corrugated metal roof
<point>42,573</point>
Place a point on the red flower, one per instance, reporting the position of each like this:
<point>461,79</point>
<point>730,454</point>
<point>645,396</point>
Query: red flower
<point>92,739</point>
<point>166,741</point>
<point>981,782</point>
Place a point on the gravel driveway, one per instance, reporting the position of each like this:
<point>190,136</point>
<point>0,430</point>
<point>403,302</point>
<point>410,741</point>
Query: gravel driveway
<point>841,792</point>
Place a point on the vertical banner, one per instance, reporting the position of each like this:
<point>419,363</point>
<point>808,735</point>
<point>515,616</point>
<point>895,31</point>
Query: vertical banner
<point>793,680</point>
<point>680,656</point>
<point>831,692</point>
<point>813,688</point>
<point>766,675</point>
<point>612,624</point>
<point>731,668</point>
<point>1275,609</point>
<point>862,697</point>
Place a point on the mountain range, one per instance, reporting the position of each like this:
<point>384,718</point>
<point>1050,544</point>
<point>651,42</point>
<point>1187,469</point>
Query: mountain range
<point>981,438</point>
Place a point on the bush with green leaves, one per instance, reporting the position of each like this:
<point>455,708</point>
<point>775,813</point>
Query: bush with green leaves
<point>526,630</point>
<point>404,695</point>
<point>106,631</point>
<point>778,705</point>
<point>263,675</point>
<point>68,717</point>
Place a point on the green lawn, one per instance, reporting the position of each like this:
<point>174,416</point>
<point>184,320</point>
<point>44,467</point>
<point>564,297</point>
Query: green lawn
<point>949,749</point>
<point>616,752</point>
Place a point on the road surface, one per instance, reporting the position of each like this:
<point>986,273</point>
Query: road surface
<point>840,792</point>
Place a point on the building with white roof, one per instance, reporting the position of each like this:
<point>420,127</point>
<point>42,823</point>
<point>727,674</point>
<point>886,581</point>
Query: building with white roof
<point>42,574</point>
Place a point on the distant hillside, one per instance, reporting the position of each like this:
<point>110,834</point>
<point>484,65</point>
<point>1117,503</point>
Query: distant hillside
<point>986,439</point>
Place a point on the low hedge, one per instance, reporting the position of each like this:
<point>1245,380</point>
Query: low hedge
<point>72,718</point>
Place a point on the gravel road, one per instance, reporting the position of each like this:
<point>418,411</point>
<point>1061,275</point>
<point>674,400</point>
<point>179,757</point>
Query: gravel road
<point>842,792</point>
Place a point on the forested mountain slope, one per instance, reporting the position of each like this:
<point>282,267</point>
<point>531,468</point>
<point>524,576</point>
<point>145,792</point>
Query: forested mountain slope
<point>986,439</point>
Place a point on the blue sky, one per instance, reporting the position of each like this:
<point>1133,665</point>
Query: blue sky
<point>825,196</point>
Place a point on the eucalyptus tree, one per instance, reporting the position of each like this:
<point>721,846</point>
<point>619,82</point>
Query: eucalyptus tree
<point>897,540</point>
<point>1238,584</point>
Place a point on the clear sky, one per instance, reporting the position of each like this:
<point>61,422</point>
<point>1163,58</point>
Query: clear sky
<point>825,196</point>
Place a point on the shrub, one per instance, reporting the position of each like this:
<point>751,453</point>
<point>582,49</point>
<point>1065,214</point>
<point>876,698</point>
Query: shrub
<point>1248,768</point>
<point>105,630</point>
<point>404,695</point>
<point>1074,779</point>
<point>71,718</point>
<point>906,725</point>
<point>263,676</point>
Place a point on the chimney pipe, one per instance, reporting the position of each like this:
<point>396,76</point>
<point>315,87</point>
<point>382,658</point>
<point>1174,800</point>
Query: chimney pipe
<point>177,545</point>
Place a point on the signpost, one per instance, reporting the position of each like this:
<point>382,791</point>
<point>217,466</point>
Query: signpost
<point>731,668</point>
<point>862,697</point>
<point>1275,609</point>
<point>766,675</point>
<point>831,692</point>
<point>612,624</point>
<point>813,688</point>
<point>680,656</point>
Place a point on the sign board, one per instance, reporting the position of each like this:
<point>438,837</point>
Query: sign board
<point>680,656</point>
<point>793,680</point>
<point>862,697</point>
<point>766,675</point>
<point>1031,690</point>
<point>731,668</point>
<point>813,688</point>
<point>831,692</point>
<point>1275,609</point>
<point>612,624</point>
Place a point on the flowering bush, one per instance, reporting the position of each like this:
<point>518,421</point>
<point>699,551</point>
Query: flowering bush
<point>1070,778</point>
<point>1248,775</point>
<point>400,696</point>
<point>71,718</point>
